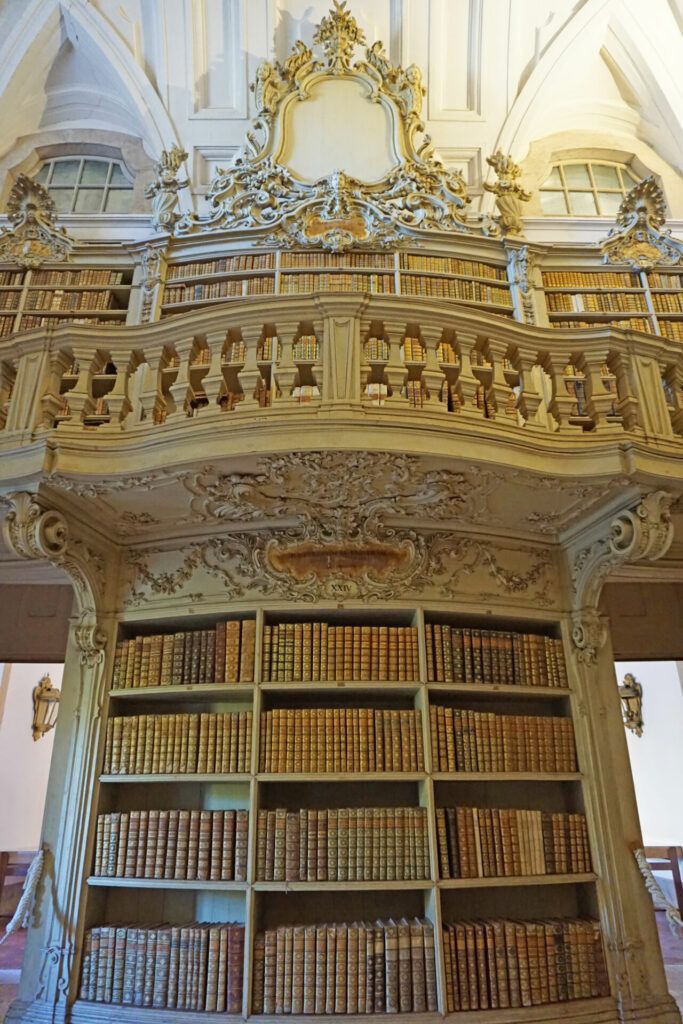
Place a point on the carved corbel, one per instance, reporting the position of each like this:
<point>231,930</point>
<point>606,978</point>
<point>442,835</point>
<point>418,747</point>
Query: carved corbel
<point>643,533</point>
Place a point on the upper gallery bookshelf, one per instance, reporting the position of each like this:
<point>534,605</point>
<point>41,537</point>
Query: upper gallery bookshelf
<point>230,795</point>
<point>79,294</point>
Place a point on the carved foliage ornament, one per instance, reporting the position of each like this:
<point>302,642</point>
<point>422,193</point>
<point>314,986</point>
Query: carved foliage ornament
<point>337,211</point>
<point>508,192</point>
<point>638,238</point>
<point>33,236</point>
<point>642,533</point>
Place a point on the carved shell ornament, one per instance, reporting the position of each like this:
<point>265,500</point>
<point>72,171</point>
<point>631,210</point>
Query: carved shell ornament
<point>33,236</point>
<point>639,238</point>
<point>338,210</point>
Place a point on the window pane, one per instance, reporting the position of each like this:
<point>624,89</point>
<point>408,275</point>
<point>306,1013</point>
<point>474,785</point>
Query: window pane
<point>582,204</point>
<point>576,176</point>
<point>89,200</point>
<point>62,198</point>
<point>609,203</point>
<point>605,177</point>
<point>553,180</point>
<point>553,202</point>
<point>42,174</point>
<point>95,172</point>
<point>65,172</point>
<point>629,178</point>
<point>118,177</point>
<point>118,200</point>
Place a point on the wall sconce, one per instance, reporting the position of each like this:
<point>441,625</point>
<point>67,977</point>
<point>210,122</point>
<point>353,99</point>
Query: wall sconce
<point>631,693</point>
<point>45,707</point>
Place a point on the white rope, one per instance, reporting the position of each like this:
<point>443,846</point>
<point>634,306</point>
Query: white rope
<point>22,915</point>
<point>673,914</point>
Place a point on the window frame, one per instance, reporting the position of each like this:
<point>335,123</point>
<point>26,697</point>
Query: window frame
<point>79,186</point>
<point>625,174</point>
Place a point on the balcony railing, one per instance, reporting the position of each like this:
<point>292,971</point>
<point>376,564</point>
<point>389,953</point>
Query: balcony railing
<point>407,362</point>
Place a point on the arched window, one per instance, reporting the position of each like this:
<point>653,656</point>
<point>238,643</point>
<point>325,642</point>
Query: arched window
<point>87,184</point>
<point>585,188</point>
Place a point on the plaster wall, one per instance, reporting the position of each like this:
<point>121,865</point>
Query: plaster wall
<point>24,763</point>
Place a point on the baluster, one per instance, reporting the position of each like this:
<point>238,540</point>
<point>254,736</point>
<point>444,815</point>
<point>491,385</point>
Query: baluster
<point>469,382</point>
<point>564,404</point>
<point>180,387</point>
<point>285,371</point>
<point>536,391</point>
<point>80,398</point>
<point>50,396</point>
<point>250,374</point>
<point>150,396</point>
<point>117,399</point>
<point>600,400</point>
<point>501,386</point>
<point>432,374</point>
<point>214,379</point>
<point>626,403</point>
<point>395,370</point>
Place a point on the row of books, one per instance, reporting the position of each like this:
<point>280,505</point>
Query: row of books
<point>29,323</point>
<point>199,292</point>
<point>377,351</point>
<point>195,967</point>
<point>412,350</point>
<point>340,740</point>
<point>317,651</point>
<point>454,288</point>
<point>491,656</point>
<point>379,967</point>
<point>360,260</point>
<point>496,964</point>
<point>355,844</point>
<point>672,329</point>
<point>222,265</point>
<point>172,844</point>
<point>305,349</point>
<point>414,392</point>
<point>452,265</point>
<point>6,326</point>
<point>59,299</point>
<point>295,284</point>
<point>9,300</point>
<point>672,303</point>
<point>624,323</point>
<point>657,280</point>
<point>596,302</point>
<point>303,393</point>
<point>589,279</point>
<point>223,654</point>
<point>88,277</point>
<point>11,277</point>
<point>178,744</point>
<point>486,842</point>
<point>481,741</point>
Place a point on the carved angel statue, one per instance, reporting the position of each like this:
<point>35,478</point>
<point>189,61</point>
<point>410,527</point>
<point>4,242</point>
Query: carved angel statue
<point>163,191</point>
<point>268,89</point>
<point>508,192</point>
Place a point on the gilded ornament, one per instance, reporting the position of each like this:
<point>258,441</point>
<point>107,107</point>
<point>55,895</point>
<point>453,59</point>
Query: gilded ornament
<point>163,191</point>
<point>508,192</point>
<point>33,236</point>
<point>638,238</point>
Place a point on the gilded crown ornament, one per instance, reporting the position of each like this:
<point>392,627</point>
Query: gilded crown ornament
<point>261,192</point>
<point>33,236</point>
<point>638,237</point>
<point>508,192</point>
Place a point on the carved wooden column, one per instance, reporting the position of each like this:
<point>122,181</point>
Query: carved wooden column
<point>341,345</point>
<point>628,923</point>
<point>51,965</point>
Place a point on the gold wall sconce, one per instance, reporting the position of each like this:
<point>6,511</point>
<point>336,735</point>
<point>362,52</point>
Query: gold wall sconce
<point>631,694</point>
<point>45,707</point>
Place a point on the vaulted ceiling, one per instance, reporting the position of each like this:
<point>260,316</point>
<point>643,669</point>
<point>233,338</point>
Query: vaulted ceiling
<point>533,77</point>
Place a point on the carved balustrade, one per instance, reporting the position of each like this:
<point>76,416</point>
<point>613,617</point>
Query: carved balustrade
<point>428,366</point>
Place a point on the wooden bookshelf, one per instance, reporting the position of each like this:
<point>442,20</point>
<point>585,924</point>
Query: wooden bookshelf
<point>509,687</point>
<point>37,298</point>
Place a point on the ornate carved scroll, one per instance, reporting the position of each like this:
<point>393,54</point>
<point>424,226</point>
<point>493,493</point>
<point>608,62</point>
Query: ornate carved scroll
<point>638,238</point>
<point>33,236</point>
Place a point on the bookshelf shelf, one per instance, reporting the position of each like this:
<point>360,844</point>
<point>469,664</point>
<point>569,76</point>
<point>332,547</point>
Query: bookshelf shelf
<point>509,881</point>
<point>97,881</point>
<point>342,777</point>
<point>401,886</point>
<point>501,690</point>
<point>506,776</point>
<point>387,688</point>
<point>180,777</point>
<point>186,692</point>
<point>84,1012</point>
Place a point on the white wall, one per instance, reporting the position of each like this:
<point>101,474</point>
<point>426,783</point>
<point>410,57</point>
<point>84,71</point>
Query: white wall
<point>657,755</point>
<point>24,763</point>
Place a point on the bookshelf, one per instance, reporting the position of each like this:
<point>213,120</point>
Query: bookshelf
<point>350,828</point>
<point>54,295</point>
<point>480,284</point>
